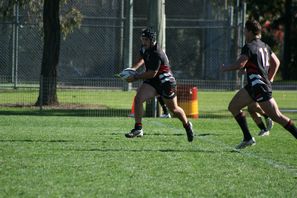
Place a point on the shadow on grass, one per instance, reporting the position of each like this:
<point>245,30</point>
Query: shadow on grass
<point>84,110</point>
<point>168,150</point>
<point>146,150</point>
<point>92,113</point>
<point>70,112</point>
<point>43,141</point>
<point>179,134</point>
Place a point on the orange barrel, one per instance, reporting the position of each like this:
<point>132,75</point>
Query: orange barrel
<point>187,98</point>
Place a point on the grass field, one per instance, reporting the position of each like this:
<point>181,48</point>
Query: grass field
<point>60,156</point>
<point>75,153</point>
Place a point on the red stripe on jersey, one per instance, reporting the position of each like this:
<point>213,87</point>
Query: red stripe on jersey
<point>164,69</point>
<point>251,68</point>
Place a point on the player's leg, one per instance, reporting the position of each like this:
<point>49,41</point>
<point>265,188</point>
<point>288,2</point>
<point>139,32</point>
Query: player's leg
<point>239,101</point>
<point>144,92</point>
<point>166,113</point>
<point>268,121</point>
<point>271,109</point>
<point>180,114</point>
<point>255,111</point>
<point>176,110</point>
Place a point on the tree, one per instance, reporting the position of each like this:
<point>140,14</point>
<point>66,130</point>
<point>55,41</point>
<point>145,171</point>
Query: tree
<point>52,28</point>
<point>51,51</point>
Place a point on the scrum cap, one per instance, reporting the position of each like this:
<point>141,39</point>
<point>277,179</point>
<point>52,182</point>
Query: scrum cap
<point>149,33</point>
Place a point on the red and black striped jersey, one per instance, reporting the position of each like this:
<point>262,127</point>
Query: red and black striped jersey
<point>257,67</point>
<point>155,59</point>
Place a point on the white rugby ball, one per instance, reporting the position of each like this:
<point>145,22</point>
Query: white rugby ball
<point>126,73</point>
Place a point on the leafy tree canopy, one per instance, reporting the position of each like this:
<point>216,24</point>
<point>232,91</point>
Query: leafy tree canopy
<point>70,17</point>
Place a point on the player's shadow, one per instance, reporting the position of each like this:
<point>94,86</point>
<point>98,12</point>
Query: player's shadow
<point>168,150</point>
<point>31,140</point>
<point>110,150</point>
<point>70,112</point>
<point>179,134</point>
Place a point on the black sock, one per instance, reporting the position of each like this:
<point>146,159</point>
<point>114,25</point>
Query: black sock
<point>138,126</point>
<point>241,120</point>
<point>165,109</point>
<point>291,128</point>
<point>187,125</point>
<point>262,126</point>
<point>163,105</point>
<point>265,116</point>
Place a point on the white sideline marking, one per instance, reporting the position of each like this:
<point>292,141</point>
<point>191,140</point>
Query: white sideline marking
<point>289,110</point>
<point>270,162</point>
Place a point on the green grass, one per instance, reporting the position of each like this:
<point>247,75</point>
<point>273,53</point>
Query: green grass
<point>118,103</point>
<point>107,98</point>
<point>60,156</point>
<point>75,156</point>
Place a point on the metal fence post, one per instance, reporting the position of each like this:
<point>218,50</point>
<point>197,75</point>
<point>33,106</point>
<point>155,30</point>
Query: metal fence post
<point>128,39</point>
<point>243,12</point>
<point>40,92</point>
<point>15,43</point>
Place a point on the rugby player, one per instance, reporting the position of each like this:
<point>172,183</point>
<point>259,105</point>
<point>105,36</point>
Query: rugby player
<point>256,57</point>
<point>157,80</point>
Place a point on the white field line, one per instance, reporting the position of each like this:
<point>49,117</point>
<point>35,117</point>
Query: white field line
<point>272,163</point>
<point>288,110</point>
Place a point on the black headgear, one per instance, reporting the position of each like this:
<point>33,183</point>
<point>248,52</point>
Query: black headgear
<point>149,33</point>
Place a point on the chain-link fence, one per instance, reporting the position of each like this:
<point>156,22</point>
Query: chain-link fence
<point>200,35</point>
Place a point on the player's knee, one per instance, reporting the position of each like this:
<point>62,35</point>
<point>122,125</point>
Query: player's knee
<point>233,108</point>
<point>176,110</point>
<point>230,107</point>
<point>279,118</point>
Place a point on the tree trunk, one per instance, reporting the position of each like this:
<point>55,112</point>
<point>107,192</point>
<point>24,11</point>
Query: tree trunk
<point>51,51</point>
<point>287,41</point>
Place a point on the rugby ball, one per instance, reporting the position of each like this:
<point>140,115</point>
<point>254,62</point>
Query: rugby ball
<point>126,73</point>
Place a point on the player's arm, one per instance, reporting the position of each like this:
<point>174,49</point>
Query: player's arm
<point>242,71</point>
<point>274,65</point>
<point>146,75</point>
<point>239,64</point>
<point>142,76</point>
<point>138,64</point>
<point>155,63</point>
<point>151,73</point>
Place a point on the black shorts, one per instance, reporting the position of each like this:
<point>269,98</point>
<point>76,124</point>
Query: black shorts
<point>165,85</point>
<point>259,92</point>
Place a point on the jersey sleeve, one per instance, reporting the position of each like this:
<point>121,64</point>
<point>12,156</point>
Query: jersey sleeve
<point>246,51</point>
<point>155,62</point>
<point>141,52</point>
<point>269,50</point>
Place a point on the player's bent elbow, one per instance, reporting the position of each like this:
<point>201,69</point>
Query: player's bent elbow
<point>274,60</point>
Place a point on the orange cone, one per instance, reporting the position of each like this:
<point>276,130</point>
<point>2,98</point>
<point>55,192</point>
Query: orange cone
<point>132,108</point>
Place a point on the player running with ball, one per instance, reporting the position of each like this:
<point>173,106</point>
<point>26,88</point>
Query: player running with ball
<point>256,57</point>
<point>157,80</point>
